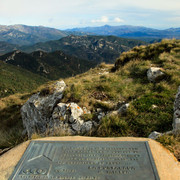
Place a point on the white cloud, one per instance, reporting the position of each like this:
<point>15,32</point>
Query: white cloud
<point>118,20</point>
<point>103,19</point>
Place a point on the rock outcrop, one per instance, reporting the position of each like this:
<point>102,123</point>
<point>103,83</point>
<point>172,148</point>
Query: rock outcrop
<point>67,118</point>
<point>176,119</point>
<point>155,74</point>
<point>36,112</point>
<point>44,114</point>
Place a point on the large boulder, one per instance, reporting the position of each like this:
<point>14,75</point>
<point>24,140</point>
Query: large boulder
<point>155,74</point>
<point>176,119</point>
<point>36,112</point>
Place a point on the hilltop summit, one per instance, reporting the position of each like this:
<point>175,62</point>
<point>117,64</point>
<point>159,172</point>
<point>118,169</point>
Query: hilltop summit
<point>118,100</point>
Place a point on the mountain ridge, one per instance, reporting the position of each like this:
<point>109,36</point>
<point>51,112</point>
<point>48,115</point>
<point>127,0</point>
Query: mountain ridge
<point>129,31</point>
<point>52,65</point>
<point>93,48</point>
<point>27,35</point>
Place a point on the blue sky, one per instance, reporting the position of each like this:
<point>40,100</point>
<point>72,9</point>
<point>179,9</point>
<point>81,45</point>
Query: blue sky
<point>64,14</point>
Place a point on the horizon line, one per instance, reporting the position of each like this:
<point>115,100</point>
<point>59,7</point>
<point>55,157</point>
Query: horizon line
<point>90,26</point>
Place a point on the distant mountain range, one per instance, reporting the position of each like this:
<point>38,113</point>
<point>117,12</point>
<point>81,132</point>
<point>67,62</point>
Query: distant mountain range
<point>55,54</point>
<point>28,35</point>
<point>68,56</point>
<point>93,48</point>
<point>137,32</point>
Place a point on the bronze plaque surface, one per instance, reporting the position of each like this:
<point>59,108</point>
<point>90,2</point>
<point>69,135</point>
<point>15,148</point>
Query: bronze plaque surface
<point>86,160</point>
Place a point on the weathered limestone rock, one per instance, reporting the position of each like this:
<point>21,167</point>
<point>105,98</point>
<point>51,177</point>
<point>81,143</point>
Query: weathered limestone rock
<point>155,74</point>
<point>121,107</point>
<point>154,135</point>
<point>100,113</point>
<point>43,114</point>
<point>176,119</point>
<point>69,116</point>
<point>36,112</point>
<point>86,111</point>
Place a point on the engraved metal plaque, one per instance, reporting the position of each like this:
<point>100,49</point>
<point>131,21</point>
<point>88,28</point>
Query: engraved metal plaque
<point>86,160</point>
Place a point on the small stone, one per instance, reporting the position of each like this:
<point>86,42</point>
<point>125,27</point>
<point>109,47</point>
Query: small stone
<point>101,115</point>
<point>86,111</point>
<point>98,110</point>
<point>113,113</point>
<point>123,109</point>
<point>155,74</point>
<point>154,106</point>
<point>154,135</point>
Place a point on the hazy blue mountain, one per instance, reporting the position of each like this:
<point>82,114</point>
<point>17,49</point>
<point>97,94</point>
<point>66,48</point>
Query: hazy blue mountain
<point>93,48</point>
<point>138,32</point>
<point>28,35</point>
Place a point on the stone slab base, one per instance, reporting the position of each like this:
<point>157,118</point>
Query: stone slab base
<point>167,165</point>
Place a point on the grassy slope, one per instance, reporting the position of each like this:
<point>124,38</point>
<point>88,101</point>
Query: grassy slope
<point>15,79</point>
<point>129,83</point>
